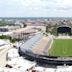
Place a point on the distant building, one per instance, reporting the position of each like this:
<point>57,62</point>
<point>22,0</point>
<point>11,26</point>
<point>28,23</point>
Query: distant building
<point>8,28</point>
<point>64,30</point>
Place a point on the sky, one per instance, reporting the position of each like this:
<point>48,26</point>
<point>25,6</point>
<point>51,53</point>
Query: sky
<point>35,8</point>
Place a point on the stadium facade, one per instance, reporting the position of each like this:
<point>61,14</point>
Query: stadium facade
<point>26,50</point>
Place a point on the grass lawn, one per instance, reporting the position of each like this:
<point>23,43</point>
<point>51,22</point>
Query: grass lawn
<point>61,47</point>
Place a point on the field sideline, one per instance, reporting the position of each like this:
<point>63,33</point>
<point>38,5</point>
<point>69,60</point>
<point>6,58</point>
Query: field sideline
<point>61,47</point>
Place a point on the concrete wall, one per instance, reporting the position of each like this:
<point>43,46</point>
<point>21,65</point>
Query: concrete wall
<point>3,54</point>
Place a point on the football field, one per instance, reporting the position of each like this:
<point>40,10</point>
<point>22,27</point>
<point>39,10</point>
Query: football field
<point>61,47</point>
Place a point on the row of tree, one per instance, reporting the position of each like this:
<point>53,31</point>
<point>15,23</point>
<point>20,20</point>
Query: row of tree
<point>51,29</point>
<point>13,40</point>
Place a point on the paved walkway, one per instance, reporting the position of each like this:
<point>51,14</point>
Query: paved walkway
<point>3,54</point>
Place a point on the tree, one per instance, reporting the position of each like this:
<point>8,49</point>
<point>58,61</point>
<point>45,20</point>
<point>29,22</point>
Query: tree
<point>47,28</point>
<point>24,24</point>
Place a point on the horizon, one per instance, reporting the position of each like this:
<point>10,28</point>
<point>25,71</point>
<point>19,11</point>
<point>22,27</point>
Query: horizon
<point>34,17</point>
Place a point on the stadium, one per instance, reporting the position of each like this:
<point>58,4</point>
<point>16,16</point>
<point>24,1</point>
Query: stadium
<point>52,50</point>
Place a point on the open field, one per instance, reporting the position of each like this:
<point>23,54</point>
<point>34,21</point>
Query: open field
<point>61,47</point>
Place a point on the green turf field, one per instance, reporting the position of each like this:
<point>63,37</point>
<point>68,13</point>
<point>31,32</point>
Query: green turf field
<point>61,47</point>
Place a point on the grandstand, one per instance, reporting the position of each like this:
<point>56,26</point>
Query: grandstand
<point>39,44</point>
<point>48,45</point>
<point>40,49</point>
<point>27,46</point>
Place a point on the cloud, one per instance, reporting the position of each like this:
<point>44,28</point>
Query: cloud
<point>32,4</point>
<point>48,4</point>
<point>35,7</point>
<point>38,4</point>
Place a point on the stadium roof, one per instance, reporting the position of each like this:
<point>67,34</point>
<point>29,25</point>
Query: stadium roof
<point>29,44</point>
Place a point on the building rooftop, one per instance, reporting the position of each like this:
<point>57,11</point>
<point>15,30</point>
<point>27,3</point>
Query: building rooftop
<point>2,42</point>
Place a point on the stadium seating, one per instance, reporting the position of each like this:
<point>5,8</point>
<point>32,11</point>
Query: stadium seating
<point>27,46</point>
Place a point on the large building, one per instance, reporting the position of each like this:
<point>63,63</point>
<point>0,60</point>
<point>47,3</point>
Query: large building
<point>64,30</point>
